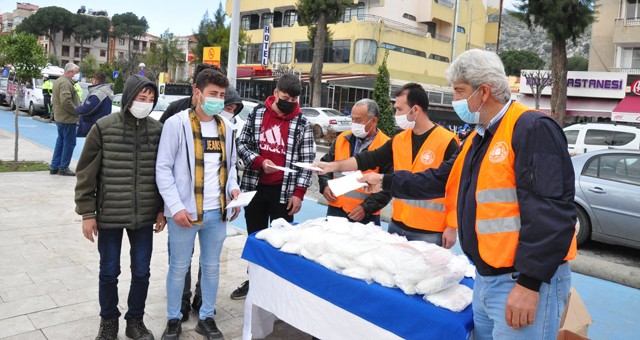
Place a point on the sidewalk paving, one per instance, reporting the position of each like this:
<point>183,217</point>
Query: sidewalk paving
<point>49,272</point>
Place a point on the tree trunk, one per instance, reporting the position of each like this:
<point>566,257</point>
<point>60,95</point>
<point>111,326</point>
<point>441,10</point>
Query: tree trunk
<point>52,42</point>
<point>559,78</point>
<point>315,78</point>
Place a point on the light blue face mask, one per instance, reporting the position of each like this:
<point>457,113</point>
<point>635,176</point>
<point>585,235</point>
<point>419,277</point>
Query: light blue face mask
<point>212,106</point>
<point>461,107</point>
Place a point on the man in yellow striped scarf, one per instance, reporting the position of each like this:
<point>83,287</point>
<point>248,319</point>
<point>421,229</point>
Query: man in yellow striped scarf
<point>196,176</point>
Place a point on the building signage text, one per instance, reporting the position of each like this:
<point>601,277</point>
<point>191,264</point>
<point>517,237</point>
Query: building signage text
<point>265,45</point>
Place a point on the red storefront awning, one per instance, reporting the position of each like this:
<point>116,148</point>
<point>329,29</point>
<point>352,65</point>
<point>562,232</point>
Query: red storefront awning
<point>577,107</point>
<point>629,104</point>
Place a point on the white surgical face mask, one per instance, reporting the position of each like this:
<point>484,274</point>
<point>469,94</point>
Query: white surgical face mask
<point>76,77</point>
<point>403,122</point>
<point>141,110</point>
<point>359,130</point>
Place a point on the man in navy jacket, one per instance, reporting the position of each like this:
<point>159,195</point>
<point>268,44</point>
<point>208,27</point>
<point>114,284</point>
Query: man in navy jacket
<point>97,104</point>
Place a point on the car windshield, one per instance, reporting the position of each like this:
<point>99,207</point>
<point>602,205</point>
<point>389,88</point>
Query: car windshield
<point>332,112</point>
<point>161,105</point>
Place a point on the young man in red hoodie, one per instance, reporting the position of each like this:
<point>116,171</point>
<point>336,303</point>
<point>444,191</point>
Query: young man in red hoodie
<point>275,134</point>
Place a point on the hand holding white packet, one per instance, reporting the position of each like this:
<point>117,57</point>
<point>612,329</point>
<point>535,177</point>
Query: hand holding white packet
<point>344,184</point>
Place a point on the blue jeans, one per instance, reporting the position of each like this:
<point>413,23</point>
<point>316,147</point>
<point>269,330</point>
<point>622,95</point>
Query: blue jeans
<point>490,296</point>
<point>109,246</point>
<point>435,238</point>
<point>333,211</point>
<point>65,143</point>
<point>211,233</point>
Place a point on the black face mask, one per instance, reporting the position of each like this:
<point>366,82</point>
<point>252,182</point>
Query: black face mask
<point>285,107</point>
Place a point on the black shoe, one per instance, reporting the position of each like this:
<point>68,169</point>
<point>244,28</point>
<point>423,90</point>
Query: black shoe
<point>185,309</point>
<point>108,329</point>
<point>173,330</point>
<point>241,292</point>
<point>53,172</point>
<point>209,329</point>
<point>66,172</point>
<point>137,330</point>
<point>197,302</point>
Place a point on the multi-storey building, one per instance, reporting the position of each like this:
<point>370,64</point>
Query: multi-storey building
<point>615,37</point>
<point>10,20</point>
<point>421,36</point>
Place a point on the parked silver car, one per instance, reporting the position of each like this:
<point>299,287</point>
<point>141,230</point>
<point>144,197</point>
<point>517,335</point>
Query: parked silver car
<point>608,196</point>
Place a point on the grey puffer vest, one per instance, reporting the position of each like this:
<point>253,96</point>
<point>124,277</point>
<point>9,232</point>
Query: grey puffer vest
<point>128,196</point>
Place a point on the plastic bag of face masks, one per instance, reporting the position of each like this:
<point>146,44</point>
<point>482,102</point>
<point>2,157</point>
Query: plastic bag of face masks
<point>358,273</point>
<point>439,282</point>
<point>455,298</point>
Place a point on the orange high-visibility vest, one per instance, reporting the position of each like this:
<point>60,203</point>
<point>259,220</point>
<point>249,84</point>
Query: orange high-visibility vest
<point>352,199</point>
<point>421,214</point>
<point>498,212</point>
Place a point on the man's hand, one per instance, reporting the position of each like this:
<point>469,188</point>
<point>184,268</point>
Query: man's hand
<point>235,211</point>
<point>449,237</point>
<point>357,214</point>
<point>183,218</point>
<point>161,222</point>
<point>521,307</point>
<point>374,181</point>
<point>90,229</point>
<point>294,205</point>
<point>328,194</point>
<point>267,169</point>
<point>326,167</point>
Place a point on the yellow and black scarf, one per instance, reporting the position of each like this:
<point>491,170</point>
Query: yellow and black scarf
<point>199,170</point>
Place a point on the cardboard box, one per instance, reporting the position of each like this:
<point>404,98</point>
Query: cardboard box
<point>575,320</point>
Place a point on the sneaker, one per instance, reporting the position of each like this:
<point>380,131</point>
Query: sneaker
<point>137,330</point>
<point>241,292</point>
<point>185,309</point>
<point>66,172</point>
<point>108,329</point>
<point>173,330</point>
<point>208,328</point>
<point>53,172</point>
<point>197,302</point>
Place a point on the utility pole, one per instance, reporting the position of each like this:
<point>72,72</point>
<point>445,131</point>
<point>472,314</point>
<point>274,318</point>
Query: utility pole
<point>499,27</point>
<point>455,32</point>
<point>232,63</point>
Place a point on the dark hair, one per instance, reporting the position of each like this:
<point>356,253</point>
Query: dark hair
<point>416,95</point>
<point>201,67</point>
<point>101,77</point>
<point>210,76</point>
<point>290,84</point>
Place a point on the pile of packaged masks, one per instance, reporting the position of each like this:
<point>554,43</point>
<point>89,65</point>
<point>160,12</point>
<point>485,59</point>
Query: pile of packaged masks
<point>371,254</point>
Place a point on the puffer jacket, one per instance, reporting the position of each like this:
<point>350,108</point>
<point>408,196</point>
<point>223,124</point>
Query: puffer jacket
<point>116,171</point>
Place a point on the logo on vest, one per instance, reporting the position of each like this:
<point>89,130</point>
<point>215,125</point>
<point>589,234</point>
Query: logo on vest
<point>428,157</point>
<point>499,152</point>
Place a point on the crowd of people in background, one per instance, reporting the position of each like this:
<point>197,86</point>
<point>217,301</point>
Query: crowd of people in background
<point>484,183</point>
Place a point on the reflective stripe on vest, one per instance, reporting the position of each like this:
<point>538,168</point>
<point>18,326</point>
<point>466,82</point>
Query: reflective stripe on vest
<point>352,199</point>
<point>499,225</point>
<point>497,196</point>
<point>421,214</point>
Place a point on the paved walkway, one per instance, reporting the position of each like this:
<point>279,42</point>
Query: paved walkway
<point>49,272</point>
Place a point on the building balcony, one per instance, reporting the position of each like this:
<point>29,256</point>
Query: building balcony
<point>626,31</point>
<point>626,70</point>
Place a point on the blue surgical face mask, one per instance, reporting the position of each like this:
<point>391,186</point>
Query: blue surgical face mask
<point>212,106</point>
<point>461,107</point>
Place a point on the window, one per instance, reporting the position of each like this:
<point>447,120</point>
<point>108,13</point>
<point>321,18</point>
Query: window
<point>598,137</point>
<point>76,52</point>
<point>409,16</point>
<point>439,58</point>
<point>494,17</point>
<point>66,38</point>
<point>87,41</point>
<point>401,49</point>
<point>619,168</point>
<point>355,11</point>
<point>310,113</point>
<point>136,45</point>
<point>572,136</point>
<point>365,52</point>
<point>253,54</point>
<point>65,51</point>
<point>632,8</point>
<point>290,17</point>
<point>103,39</point>
<point>245,22</point>
<point>336,51</point>
<point>461,29</point>
<point>251,22</point>
<point>267,19</point>
<point>445,3</point>
<point>120,41</point>
<point>630,57</point>
<point>86,51</point>
<point>280,52</point>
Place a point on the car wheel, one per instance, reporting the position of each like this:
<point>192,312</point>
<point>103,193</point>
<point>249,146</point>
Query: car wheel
<point>584,226</point>
<point>317,131</point>
<point>32,110</point>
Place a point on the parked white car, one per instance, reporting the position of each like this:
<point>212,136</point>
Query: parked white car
<point>325,119</point>
<point>586,137</point>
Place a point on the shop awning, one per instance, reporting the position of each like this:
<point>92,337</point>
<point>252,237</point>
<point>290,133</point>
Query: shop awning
<point>629,104</point>
<point>577,107</point>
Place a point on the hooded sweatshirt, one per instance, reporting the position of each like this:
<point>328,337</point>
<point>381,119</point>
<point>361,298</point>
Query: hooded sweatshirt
<point>96,106</point>
<point>273,141</point>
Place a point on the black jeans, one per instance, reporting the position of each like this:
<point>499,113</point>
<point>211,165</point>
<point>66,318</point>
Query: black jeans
<point>264,208</point>
<point>333,211</point>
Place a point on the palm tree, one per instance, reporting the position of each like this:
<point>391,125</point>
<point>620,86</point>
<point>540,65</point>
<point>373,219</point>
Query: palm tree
<point>563,20</point>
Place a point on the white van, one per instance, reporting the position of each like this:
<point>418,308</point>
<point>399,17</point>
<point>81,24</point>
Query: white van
<point>585,137</point>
